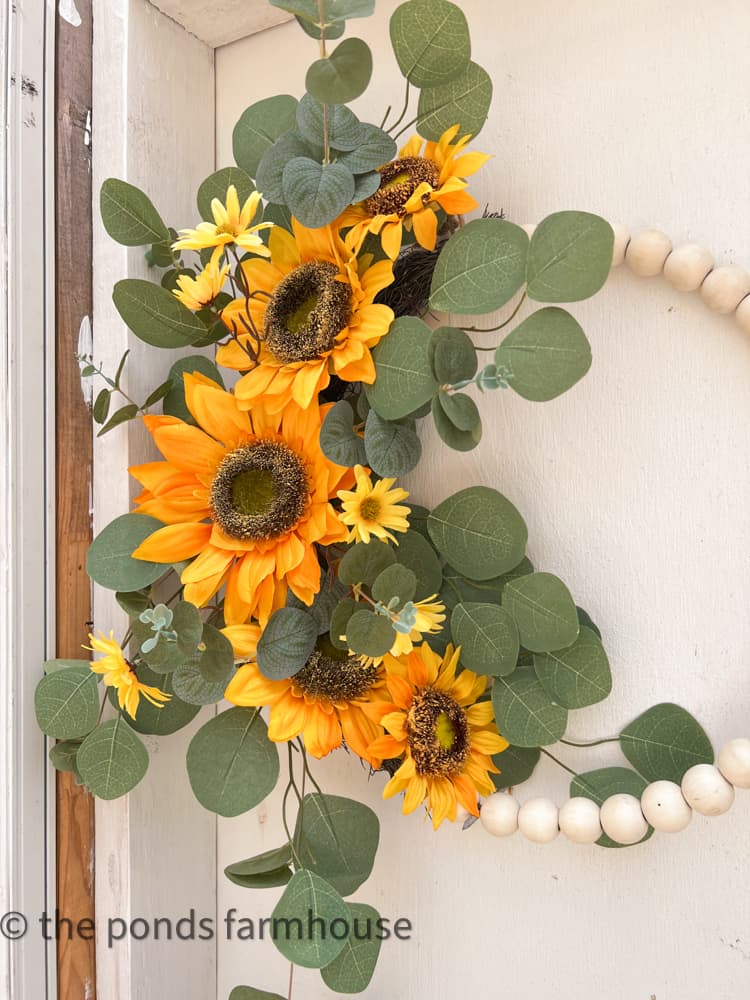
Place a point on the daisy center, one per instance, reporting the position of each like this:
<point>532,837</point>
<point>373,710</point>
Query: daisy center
<point>399,180</point>
<point>332,675</point>
<point>438,734</point>
<point>260,491</point>
<point>370,509</point>
<point>306,313</point>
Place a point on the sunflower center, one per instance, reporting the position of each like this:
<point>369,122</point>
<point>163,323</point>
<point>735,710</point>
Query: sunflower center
<point>332,675</point>
<point>260,491</point>
<point>306,313</point>
<point>399,180</point>
<point>438,734</point>
<point>370,509</point>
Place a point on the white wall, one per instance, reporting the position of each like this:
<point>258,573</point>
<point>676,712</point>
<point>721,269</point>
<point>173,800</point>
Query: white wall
<point>635,486</point>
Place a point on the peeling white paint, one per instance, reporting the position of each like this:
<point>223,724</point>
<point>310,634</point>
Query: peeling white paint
<point>69,12</point>
<point>85,349</point>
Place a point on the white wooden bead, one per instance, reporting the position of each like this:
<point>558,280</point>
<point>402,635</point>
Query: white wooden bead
<point>743,315</point>
<point>579,820</point>
<point>687,266</point>
<point>622,819</point>
<point>499,814</point>
<point>537,820</point>
<point>647,252</point>
<point>734,762</point>
<point>528,228</point>
<point>622,238</point>
<point>725,287</point>
<point>664,807</point>
<point>706,790</point>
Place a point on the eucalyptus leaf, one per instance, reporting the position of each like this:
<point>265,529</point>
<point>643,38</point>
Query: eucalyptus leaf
<point>339,442</point>
<point>544,612</point>
<point>453,436</point>
<point>66,702</point>
<point>369,634</point>
<point>480,268</point>
<point>600,784</point>
<point>525,714</point>
<point>353,968</point>
<point>112,760</point>
<point>216,664</point>
<point>343,75</point>
<point>62,756</point>
<point>250,993</point>
<point>258,128</point>
<point>452,355</point>
<point>217,185</point>
<point>569,258</point>
<point>464,100</point>
<point>391,449</point>
<point>192,688</point>
<point>545,355</point>
<point>339,620</point>
<point>431,41</point>
<point>344,129</point>
<point>516,766</point>
<point>101,405</point>
<point>286,643</point>
<point>129,216</point>
<point>264,871</point>
<point>488,638</point>
<point>155,315</point>
<point>578,675</point>
<point>337,838</point>
<point>316,194</point>
<point>462,412</point>
<point>404,379</point>
<point>128,412</point>
<point>364,562</point>
<point>109,560</point>
<point>395,581</point>
<point>174,402</point>
<point>303,921</point>
<point>664,742</point>
<point>174,715</point>
<point>270,177</point>
<point>416,553</point>
<point>334,11</point>
<point>374,148</point>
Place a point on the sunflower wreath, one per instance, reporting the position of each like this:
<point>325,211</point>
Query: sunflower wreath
<point>272,560</point>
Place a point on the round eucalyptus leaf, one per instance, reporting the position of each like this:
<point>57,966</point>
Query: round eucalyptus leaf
<point>569,258</point>
<point>216,664</point>
<point>664,742</point>
<point>258,128</point>
<point>374,148</point>
<point>264,871</point>
<point>344,128</point>
<point>431,41</point>
<point>452,355</point>
<point>339,620</point>
<point>129,216</point>
<point>600,784</point>
<point>333,31</point>
<point>462,412</point>
<point>342,76</point>
<point>457,439</point>
<point>62,756</point>
<point>154,315</point>
<point>480,268</point>
<point>369,634</point>
<point>545,355</point>
<point>217,185</point>
<point>404,379</point>
<point>306,920</point>
<point>112,760</point>
<point>152,721</point>
<point>395,581</point>
<point>391,449</point>
<point>364,186</point>
<point>109,561</point>
<point>479,532</point>
<point>364,562</point>
<point>270,173</point>
<point>516,766</point>
<point>464,100</point>
<point>316,194</point>
<point>488,638</point>
<point>286,643</point>
<point>543,610</point>
<point>339,441</point>
<point>577,676</point>
<point>231,763</point>
<point>250,993</point>
<point>415,552</point>
<point>191,687</point>
<point>337,839</point>
<point>66,702</point>
<point>353,968</point>
<point>525,714</point>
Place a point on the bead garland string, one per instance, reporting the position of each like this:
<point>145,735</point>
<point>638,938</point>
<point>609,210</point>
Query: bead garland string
<point>705,789</point>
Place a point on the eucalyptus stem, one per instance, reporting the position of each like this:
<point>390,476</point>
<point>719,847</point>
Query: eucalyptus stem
<point>559,762</point>
<point>403,113</point>
<point>593,743</point>
<point>323,55</point>
<point>409,124</point>
<point>492,329</point>
<point>307,770</point>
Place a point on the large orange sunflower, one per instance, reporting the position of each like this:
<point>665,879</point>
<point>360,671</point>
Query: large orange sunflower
<point>312,306</point>
<point>244,496</point>
<point>411,191</point>
<point>444,735</point>
<point>323,702</point>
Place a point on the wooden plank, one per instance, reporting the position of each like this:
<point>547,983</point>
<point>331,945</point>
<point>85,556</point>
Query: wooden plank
<point>76,956</point>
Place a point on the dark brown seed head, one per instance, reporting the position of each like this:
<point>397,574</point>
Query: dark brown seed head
<point>438,734</point>
<point>306,313</point>
<point>399,180</point>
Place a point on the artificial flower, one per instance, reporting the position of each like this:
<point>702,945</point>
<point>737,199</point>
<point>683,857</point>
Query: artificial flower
<point>121,674</point>
<point>444,736</point>
<point>195,293</point>
<point>415,620</point>
<point>245,497</point>
<point>313,311</point>
<point>323,702</point>
<point>412,189</point>
<point>232,224</point>
<point>373,510</point>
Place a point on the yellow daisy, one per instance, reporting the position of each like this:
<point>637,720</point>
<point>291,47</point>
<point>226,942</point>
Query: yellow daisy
<point>372,510</point>
<point>245,496</point>
<point>323,702</point>
<point>443,735</point>
<point>195,293</point>
<point>120,674</point>
<point>313,308</point>
<point>429,616</point>
<point>412,189</point>
<point>231,225</point>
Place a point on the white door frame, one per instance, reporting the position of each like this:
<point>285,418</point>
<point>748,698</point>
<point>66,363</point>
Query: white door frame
<point>27,531</point>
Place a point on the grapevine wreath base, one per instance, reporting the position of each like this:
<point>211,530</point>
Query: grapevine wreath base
<point>271,559</point>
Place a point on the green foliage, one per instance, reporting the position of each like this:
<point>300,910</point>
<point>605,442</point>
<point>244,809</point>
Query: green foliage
<point>51,666</point>
<point>343,75</point>
<point>174,404</point>
<point>190,685</point>
<point>404,379</point>
<point>112,760</point>
<point>569,258</point>
<point>339,621</point>
<point>337,838</point>
<point>109,561</point>
<point>577,676</point>
<point>66,702</point>
<point>152,721</point>
<point>480,268</point>
<point>526,715</point>
<point>488,638</point>
<point>395,581</point>
<point>323,604</point>
<point>391,448</point>
<point>286,643</point>
<point>216,664</point>
<point>339,441</point>
<point>431,41</point>
<point>128,215</point>
<point>217,185</point>
<point>250,993</point>
<point>374,148</point>
<point>664,742</point>
<point>600,784</point>
<point>415,552</point>
<point>344,128</point>
<point>478,532</point>
<point>516,766</point>
<point>363,563</point>
<point>452,355</point>
<point>62,756</point>
<point>128,412</point>
<point>544,612</point>
<point>464,100</point>
<point>353,968</point>
<point>457,420</point>
<point>231,763</point>
<point>545,355</point>
<point>264,871</point>
<point>316,193</point>
<point>154,315</point>
<point>334,11</point>
<point>270,174</point>
<point>258,128</point>
<point>303,918</point>
<point>369,633</point>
